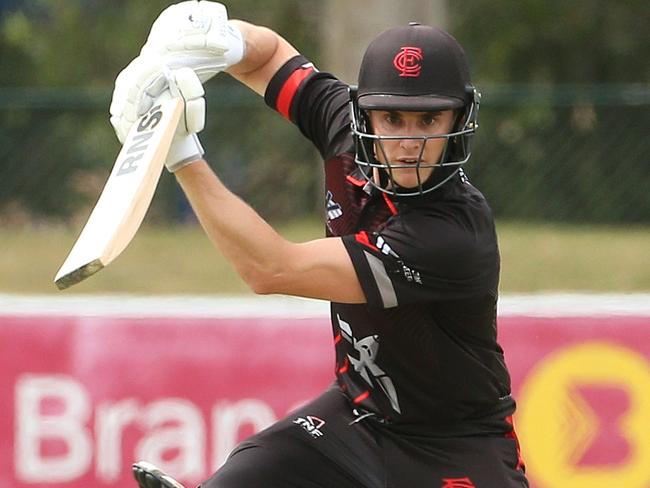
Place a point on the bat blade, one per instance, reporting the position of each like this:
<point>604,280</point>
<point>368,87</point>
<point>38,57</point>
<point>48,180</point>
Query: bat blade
<point>124,201</point>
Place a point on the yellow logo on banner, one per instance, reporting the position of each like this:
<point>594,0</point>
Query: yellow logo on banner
<point>584,418</point>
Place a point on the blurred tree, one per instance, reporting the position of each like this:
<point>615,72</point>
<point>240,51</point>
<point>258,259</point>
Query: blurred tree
<point>56,148</point>
<point>555,41</point>
<point>346,38</point>
<point>562,137</point>
<point>55,158</point>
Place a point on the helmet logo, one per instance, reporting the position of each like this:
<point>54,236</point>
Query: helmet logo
<point>407,61</point>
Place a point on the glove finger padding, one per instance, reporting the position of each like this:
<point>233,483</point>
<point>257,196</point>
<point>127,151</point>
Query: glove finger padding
<point>195,116</point>
<point>136,88</point>
<point>145,82</point>
<point>188,26</point>
<point>190,88</point>
<point>186,147</point>
<point>196,35</point>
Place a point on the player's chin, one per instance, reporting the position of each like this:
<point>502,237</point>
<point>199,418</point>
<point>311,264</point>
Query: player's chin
<point>408,178</point>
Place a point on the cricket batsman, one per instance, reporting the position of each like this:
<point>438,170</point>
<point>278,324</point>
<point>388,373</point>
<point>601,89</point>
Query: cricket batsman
<point>410,261</point>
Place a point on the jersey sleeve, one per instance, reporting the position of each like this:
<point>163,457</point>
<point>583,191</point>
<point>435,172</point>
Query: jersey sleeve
<point>316,102</point>
<point>417,259</point>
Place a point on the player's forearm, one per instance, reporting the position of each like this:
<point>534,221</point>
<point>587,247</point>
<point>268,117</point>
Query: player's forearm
<point>250,244</point>
<point>265,53</point>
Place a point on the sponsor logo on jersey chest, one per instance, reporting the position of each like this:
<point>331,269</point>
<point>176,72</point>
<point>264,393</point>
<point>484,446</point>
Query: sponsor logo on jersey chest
<point>311,425</point>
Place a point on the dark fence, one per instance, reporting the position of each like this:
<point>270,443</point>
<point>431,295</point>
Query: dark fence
<point>569,153</point>
<point>545,153</point>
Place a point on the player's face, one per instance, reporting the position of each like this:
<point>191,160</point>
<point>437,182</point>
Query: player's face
<point>406,152</point>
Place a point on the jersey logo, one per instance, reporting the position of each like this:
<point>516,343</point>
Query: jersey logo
<point>407,61</point>
<point>309,66</point>
<point>367,349</point>
<point>457,483</point>
<point>383,246</point>
<point>410,274</point>
<point>463,177</point>
<point>334,210</point>
<point>311,425</point>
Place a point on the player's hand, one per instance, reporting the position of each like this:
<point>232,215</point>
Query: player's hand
<point>142,82</point>
<point>197,35</point>
<point>186,147</point>
<point>146,82</point>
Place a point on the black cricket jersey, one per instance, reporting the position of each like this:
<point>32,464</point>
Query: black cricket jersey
<point>422,353</point>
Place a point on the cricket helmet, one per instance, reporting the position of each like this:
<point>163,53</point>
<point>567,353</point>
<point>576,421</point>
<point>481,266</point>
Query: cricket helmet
<point>414,68</point>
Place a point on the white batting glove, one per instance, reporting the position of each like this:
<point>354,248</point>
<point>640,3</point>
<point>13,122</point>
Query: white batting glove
<point>131,95</point>
<point>186,147</point>
<point>195,34</point>
<point>141,85</point>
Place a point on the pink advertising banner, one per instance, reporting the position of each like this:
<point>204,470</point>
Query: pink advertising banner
<point>84,395</point>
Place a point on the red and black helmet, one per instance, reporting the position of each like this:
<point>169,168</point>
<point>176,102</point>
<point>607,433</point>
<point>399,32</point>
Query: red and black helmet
<point>414,68</point>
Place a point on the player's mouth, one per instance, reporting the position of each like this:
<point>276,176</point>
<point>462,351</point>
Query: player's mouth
<point>409,161</point>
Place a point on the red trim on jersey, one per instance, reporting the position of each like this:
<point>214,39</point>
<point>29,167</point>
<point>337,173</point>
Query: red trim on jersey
<point>337,338</point>
<point>289,89</point>
<point>513,435</point>
<point>361,397</point>
<point>346,365</point>
<point>390,204</point>
<point>458,483</point>
<point>355,181</point>
<point>362,237</point>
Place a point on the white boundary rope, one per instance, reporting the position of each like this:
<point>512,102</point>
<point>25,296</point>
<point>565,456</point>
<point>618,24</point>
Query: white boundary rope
<point>536,305</point>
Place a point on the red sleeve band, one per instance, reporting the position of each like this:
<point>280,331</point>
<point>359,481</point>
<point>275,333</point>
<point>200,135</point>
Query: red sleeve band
<point>289,89</point>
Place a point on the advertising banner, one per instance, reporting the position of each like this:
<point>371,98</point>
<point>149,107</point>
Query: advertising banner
<point>583,389</point>
<point>87,390</point>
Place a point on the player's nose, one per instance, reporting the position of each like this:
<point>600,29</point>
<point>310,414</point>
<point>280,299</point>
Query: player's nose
<point>410,145</point>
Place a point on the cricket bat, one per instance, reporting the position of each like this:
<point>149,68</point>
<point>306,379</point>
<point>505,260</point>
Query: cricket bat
<point>127,194</point>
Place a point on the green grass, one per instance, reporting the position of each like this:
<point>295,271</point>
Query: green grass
<point>181,260</point>
<point>574,258</point>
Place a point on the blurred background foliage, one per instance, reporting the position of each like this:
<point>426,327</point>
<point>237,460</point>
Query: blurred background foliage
<point>59,61</point>
<point>564,118</point>
<point>566,107</point>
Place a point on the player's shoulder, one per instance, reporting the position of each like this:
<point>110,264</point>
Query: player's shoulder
<point>460,224</point>
<point>463,192</point>
<point>460,205</point>
<point>316,101</point>
<point>300,79</point>
<point>464,206</point>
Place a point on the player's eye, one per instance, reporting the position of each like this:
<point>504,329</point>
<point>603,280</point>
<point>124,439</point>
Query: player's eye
<point>392,118</point>
<point>429,119</point>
